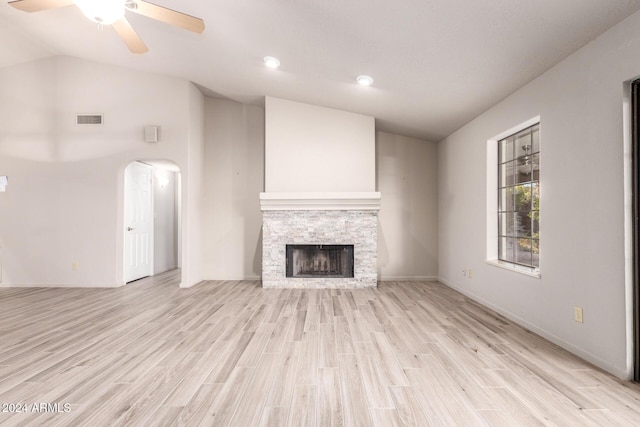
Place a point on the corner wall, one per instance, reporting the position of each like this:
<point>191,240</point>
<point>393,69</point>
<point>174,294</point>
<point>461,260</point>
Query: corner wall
<point>233,180</point>
<point>165,221</point>
<point>407,177</point>
<point>193,191</point>
<point>580,102</point>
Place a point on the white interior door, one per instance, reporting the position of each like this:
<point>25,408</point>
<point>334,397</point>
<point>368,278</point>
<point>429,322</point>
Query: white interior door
<point>138,222</point>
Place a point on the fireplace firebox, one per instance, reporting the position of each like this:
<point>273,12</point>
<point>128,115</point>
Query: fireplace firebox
<point>329,261</point>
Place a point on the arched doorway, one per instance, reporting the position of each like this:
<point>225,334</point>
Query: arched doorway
<point>152,218</point>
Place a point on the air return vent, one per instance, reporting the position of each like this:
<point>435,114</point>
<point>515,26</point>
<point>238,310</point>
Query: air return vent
<point>89,119</point>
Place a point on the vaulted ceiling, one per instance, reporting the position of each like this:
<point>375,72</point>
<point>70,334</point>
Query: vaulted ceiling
<point>436,63</point>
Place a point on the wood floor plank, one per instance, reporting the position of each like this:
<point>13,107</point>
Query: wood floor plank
<point>356,411</point>
<point>547,404</point>
<point>255,347</point>
<point>382,352</point>
<point>296,331</point>
<point>328,351</point>
<point>274,416</point>
<point>337,306</point>
<point>252,403</point>
<point>385,417</point>
<point>303,406</point>
<point>326,310</point>
<point>151,394</point>
<point>409,411</point>
<point>357,326</point>
<point>279,334</point>
<point>329,402</point>
<point>371,316</point>
<point>430,399</point>
<point>344,341</point>
<point>307,369</point>
<point>224,407</point>
<point>196,410</point>
<point>512,410</point>
<point>284,384</point>
<point>221,372</point>
<point>200,366</point>
<point>373,379</point>
<point>312,320</point>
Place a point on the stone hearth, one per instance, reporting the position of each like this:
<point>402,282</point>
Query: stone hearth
<point>320,219</point>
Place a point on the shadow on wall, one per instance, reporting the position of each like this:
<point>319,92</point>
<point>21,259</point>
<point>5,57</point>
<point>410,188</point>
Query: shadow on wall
<point>257,257</point>
<point>383,251</point>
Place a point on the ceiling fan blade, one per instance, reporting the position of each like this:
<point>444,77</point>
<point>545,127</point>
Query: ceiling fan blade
<point>168,16</point>
<point>38,5</point>
<point>129,36</point>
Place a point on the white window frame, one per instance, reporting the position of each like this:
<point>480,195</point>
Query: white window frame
<point>492,201</point>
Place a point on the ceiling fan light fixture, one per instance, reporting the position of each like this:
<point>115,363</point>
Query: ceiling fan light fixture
<point>104,12</point>
<point>364,80</point>
<point>271,62</point>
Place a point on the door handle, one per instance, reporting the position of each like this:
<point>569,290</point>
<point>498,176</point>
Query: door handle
<point>130,228</point>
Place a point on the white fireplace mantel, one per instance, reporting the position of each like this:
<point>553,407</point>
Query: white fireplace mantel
<point>342,201</point>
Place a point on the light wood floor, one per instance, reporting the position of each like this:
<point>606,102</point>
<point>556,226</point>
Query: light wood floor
<point>232,353</point>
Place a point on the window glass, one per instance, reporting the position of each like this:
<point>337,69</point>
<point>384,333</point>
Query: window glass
<point>519,198</point>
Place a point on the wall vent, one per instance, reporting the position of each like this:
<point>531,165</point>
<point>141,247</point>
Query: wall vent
<point>89,119</point>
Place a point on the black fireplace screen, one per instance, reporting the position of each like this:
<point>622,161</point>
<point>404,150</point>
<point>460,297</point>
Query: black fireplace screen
<point>320,261</point>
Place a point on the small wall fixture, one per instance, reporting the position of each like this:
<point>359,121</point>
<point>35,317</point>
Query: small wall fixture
<point>163,182</point>
<point>271,62</point>
<point>151,133</point>
<point>4,181</point>
<point>364,80</point>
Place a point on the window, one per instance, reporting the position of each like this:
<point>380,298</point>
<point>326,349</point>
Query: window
<point>519,198</point>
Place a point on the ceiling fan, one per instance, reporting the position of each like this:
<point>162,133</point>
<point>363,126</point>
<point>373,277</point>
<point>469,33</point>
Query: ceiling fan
<point>111,12</point>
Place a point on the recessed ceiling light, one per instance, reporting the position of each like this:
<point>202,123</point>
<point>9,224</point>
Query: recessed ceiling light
<point>364,80</point>
<point>271,62</point>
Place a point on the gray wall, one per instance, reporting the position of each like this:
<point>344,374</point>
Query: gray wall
<point>234,177</point>
<point>165,219</point>
<point>317,149</point>
<point>407,177</point>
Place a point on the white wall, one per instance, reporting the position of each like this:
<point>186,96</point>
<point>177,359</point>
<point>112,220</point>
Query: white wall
<point>407,177</point>
<point>65,200</point>
<point>193,206</point>
<point>580,102</point>
<point>234,177</point>
<point>316,149</point>
<point>165,256</point>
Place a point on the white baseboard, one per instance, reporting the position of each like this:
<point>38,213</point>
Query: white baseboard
<point>380,279</point>
<point>407,278</point>
<point>61,285</point>
<point>248,278</point>
<point>578,351</point>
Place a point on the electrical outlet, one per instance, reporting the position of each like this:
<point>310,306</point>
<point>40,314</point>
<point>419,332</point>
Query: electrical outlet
<point>470,273</point>
<point>577,314</point>
<point>74,265</point>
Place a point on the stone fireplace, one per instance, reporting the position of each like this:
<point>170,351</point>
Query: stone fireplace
<point>317,221</point>
<point>319,193</point>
